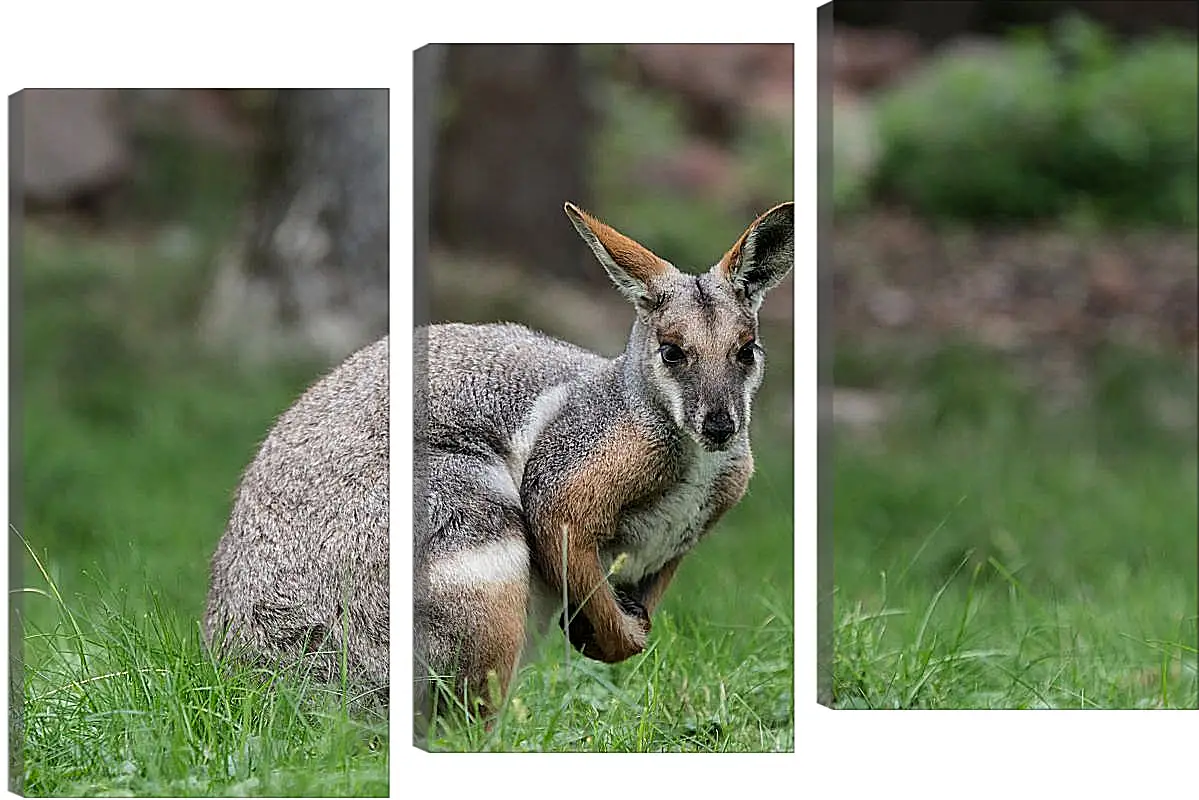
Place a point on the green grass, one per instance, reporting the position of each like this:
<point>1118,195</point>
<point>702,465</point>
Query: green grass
<point>132,441</point>
<point>990,553</point>
<point>120,702</point>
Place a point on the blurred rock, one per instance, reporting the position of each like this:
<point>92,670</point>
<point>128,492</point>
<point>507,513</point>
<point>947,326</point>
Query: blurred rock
<point>698,168</point>
<point>466,288</point>
<point>774,94</point>
<point>865,60</point>
<point>856,147</point>
<point>1035,292</point>
<point>1112,286</point>
<point>74,145</point>
<point>859,409</point>
<point>892,307</point>
<point>218,117</point>
<point>719,83</point>
<point>213,115</point>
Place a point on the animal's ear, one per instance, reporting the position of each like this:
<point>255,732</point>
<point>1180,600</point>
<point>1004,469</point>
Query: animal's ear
<point>762,256</point>
<point>633,268</point>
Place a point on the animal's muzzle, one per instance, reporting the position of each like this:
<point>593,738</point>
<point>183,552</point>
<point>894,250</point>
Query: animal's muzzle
<point>718,427</point>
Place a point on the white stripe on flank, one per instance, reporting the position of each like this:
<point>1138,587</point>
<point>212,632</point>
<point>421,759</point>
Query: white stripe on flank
<point>500,481</point>
<point>505,561</point>
<point>544,411</point>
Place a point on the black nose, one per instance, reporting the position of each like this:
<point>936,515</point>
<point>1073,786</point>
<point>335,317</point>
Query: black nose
<point>718,426</point>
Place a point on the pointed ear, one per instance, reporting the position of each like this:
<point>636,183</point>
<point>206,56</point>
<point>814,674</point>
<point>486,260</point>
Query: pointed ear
<point>632,267</point>
<point>762,256</point>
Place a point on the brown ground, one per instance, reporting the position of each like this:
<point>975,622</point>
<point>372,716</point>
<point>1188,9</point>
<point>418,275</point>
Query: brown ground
<point>1019,288</point>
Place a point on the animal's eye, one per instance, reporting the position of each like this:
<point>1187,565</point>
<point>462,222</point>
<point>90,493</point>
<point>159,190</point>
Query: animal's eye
<point>748,353</point>
<point>672,354</point>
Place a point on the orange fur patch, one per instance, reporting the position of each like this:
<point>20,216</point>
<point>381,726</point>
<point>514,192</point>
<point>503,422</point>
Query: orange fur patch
<point>497,635</point>
<point>634,258</point>
<point>624,469</point>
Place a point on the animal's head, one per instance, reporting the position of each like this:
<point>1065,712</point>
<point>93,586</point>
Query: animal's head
<point>696,336</point>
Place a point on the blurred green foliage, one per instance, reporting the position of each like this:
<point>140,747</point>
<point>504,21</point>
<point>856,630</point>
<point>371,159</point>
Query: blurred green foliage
<point>1064,124</point>
<point>180,178</point>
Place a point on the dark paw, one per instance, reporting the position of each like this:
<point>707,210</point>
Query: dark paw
<point>632,606</point>
<point>580,632</point>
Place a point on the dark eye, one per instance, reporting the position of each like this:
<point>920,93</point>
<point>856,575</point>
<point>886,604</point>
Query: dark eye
<point>672,354</point>
<point>748,353</point>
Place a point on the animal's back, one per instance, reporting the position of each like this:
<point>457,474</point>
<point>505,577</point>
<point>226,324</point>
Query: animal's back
<point>482,381</point>
<point>304,558</point>
<point>485,392</point>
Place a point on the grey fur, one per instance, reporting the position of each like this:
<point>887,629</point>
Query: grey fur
<point>303,564</point>
<point>480,387</point>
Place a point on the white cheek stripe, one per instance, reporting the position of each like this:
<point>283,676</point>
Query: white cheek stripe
<point>676,408</point>
<point>670,391</point>
<point>495,563</point>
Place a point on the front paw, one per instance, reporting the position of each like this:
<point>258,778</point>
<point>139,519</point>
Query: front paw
<point>634,608</point>
<point>631,642</point>
<point>635,628</point>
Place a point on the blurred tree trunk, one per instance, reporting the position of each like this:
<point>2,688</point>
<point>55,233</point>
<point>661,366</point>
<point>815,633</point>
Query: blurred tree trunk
<point>311,273</point>
<point>427,68</point>
<point>512,150</point>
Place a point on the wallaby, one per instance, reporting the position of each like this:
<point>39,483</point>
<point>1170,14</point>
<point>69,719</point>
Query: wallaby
<point>546,473</point>
<point>301,570</point>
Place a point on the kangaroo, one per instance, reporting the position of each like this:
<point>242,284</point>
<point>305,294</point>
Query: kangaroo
<point>301,570</point>
<point>546,473</point>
